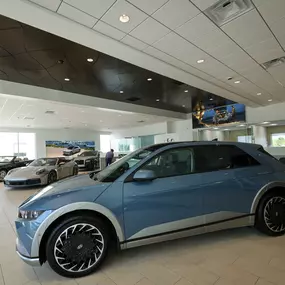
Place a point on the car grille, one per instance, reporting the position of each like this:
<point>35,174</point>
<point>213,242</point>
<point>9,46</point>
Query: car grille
<point>23,183</point>
<point>79,161</point>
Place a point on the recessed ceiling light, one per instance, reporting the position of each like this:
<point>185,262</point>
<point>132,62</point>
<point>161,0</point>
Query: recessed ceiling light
<point>237,82</point>
<point>149,79</point>
<point>226,129</point>
<point>265,123</point>
<point>216,128</point>
<point>157,100</point>
<point>211,99</point>
<point>183,106</point>
<point>200,61</point>
<point>124,18</point>
<point>90,59</point>
<point>258,94</point>
<point>273,124</point>
<point>242,125</point>
<point>66,79</point>
<point>186,91</point>
<point>269,100</point>
<point>121,91</point>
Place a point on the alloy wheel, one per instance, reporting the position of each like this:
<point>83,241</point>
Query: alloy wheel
<point>79,247</point>
<point>274,214</point>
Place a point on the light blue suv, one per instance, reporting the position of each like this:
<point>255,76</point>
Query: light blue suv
<point>157,193</point>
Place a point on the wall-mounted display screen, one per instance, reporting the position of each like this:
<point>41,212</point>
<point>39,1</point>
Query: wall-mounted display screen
<point>278,140</point>
<point>225,115</point>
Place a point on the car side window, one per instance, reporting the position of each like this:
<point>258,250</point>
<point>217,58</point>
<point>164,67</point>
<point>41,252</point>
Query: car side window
<point>220,157</point>
<point>172,162</point>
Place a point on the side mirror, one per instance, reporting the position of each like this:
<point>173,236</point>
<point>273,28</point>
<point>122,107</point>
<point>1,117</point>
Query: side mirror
<point>144,175</point>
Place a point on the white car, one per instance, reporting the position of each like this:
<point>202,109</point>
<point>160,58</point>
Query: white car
<point>42,171</point>
<point>71,150</point>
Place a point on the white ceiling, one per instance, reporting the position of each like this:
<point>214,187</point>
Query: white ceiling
<point>20,112</point>
<point>179,33</point>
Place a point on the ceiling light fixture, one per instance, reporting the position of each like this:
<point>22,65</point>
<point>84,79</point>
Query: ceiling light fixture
<point>200,61</point>
<point>265,123</point>
<point>237,82</point>
<point>273,124</point>
<point>242,125</point>
<point>124,18</point>
<point>186,91</point>
<point>66,79</point>
<point>121,91</point>
<point>269,100</point>
<point>226,129</point>
<point>149,79</point>
<point>258,94</point>
<point>90,59</point>
<point>216,128</point>
<point>211,99</point>
<point>183,106</point>
<point>157,100</point>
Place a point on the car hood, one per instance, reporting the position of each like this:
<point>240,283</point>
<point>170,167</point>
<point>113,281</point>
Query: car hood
<point>27,171</point>
<point>80,188</point>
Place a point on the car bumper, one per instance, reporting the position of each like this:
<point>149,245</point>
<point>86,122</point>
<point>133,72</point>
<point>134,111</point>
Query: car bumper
<point>20,250</point>
<point>15,183</point>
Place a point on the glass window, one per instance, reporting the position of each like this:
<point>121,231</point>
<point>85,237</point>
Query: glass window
<point>173,162</point>
<point>213,158</point>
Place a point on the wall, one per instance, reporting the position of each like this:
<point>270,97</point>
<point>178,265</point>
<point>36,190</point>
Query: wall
<point>42,135</point>
<point>274,130</point>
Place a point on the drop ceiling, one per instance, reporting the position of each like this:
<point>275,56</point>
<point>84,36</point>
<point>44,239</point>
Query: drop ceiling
<point>179,33</point>
<point>19,112</point>
<point>35,57</point>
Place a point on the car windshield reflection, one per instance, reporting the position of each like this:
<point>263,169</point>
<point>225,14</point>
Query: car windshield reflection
<point>44,162</point>
<point>6,158</point>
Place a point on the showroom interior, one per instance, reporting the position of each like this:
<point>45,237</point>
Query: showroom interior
<point>127,74</point>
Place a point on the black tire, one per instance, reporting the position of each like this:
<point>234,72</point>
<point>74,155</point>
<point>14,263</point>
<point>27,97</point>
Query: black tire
<point>52,177</point>
<point>3,173</point>
<point>270,215</point>
<point>75,170</point>
<point>80,245</point>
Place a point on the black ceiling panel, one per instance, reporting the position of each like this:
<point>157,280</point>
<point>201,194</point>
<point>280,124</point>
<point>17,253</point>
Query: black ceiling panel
<point>31,56</point>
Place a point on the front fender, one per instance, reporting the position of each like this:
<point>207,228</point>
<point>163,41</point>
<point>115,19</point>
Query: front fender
<point>68,209</point>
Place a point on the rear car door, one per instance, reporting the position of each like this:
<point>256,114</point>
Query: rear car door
<point>169,204</point>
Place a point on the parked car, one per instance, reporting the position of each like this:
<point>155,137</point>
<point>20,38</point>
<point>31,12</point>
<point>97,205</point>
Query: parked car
<point>157,193</point>
<point>71,150</point>
<point>88,160</point>
<point>42,171</point>
<point>10,162</point>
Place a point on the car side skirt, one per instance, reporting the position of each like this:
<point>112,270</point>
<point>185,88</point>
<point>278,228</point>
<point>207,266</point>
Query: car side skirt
<point>236,221</point>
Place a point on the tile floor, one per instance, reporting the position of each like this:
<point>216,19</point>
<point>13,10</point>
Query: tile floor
<point>235,257</point>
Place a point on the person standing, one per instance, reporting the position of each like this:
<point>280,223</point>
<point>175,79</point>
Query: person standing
<point>109,157</point>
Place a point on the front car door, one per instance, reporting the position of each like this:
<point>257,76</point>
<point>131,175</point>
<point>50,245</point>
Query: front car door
<point>168,207</point>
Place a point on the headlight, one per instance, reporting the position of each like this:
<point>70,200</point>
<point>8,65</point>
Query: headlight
<point>41,171</point>
<point>29,215</point>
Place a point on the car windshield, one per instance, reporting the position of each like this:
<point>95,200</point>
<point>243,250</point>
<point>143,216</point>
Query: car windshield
<point>44,162</point>
<point>87,153</point>
<point>116,169</point>
<point>6,158</point>
<point>70,147</point>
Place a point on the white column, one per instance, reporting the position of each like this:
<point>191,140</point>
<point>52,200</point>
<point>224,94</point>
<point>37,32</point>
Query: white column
<point>260,135</point>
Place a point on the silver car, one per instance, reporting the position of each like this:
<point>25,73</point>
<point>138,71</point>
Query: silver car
<point>42,171</point>
<point>89,160</point>
<point>71,150</point>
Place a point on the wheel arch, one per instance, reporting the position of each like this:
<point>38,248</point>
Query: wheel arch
<point>272,186</point>
<point>67,211</point>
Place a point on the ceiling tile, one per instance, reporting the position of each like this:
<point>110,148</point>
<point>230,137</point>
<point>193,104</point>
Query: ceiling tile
<point>279,31</point>
<point>49,4</point>
<point>248,29</point>
<point>150,31</point>
<point>271,10</point>
<point>148,6</point>
<point>122,7</point>
<point>76,15</point>
<point>95,8</point>
<point>135,43</point>
<point>278,72</point>
<point>108,30</point>
<point>204,4</point>
<point>265,51</point>
<point>175,13</point>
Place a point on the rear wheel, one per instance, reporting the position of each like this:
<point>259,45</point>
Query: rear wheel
<point>271,214</point>
<point>51,177</point>
<point>77,247</point>
<point>75,171</point>
<point>3,173</point>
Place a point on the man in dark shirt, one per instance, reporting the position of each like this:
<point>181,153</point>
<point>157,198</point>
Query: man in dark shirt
<point>109,157</point>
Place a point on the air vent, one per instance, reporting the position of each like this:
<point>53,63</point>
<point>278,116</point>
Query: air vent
<point>50,112</point>
<point>274,62</point>
<point>133,99</point>
<point>225,11</point>
<point>29,118</point>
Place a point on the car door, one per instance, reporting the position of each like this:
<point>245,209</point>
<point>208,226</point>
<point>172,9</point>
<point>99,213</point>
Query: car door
<point>61,168</point>
<point>227,182</point>
<point>169,204</point>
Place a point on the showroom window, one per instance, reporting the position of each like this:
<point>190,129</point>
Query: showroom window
<point>105,143</point>
<point>19,144</point>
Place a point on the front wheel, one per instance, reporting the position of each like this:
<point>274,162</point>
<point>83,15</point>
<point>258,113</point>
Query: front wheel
<point>51,178</point>
<point>271,215</point>
<point>75,171</point>
<point>77,247</point>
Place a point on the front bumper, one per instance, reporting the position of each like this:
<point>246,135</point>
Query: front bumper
<point>33,261</point>
<point>15,183</point>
